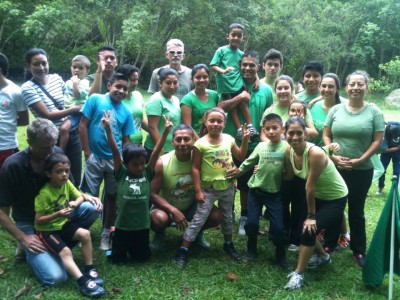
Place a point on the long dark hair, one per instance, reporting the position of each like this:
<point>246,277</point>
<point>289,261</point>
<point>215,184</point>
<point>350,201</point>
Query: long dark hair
<point>203,129</point>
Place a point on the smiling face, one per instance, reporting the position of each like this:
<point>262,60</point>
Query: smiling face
<point>312,80</point>
<point>118,90</point>
<point>137,165</point>
<point>59,174</point>
<point>183,142</point>
<point>215,123</point>
<point>248,68</point>
<point>284,91</point>
<point>78,68</point>
<point>133,81</point>
<point>295,135</point>
<point>201,79</point>
<point>328,88</point>
<point>296,110</point>
<point>109,58</point>
<point>39,67</point>
<point>356,87</point>
<point>169,86</point>
<point>235,37</point>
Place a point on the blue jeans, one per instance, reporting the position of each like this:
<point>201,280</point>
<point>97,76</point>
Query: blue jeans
<point>273,201</point>
<point>385,159</point>
<point>47,266</point>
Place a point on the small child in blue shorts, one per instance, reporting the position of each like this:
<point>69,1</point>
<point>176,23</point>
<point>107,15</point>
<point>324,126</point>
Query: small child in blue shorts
<point>53,206</point>
<point>226,63</point>
<point>77,91</point>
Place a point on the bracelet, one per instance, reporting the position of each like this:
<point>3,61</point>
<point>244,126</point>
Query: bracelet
<point>311,216</point>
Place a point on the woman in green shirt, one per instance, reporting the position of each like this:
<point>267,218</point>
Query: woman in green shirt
<point>197,102</point>
<point>134,103</point>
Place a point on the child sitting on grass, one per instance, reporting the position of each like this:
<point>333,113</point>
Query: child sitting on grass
<point>77,91</point>
<point>133,176</point>
<point>53,205</point>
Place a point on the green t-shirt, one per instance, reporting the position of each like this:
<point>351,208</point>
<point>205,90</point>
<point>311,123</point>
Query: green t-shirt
<point>259,101</point>
<point>104,82</point>
<point>319,116</point>
<point>354,131</point>
<point>158,105</point>
<point>330,185</point>
<point>303,96</point>
<point>231,82</point>
<point>275,98</point>
<point>50,200</point>
<point>270,159</point>
<point>69,97</point>
<point>133,199</point>
<point>215,161</point>
<point>177,187</point>
<point>199,107</point>
<point>135,105</point>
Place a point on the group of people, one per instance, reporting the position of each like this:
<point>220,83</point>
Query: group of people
<point>252,134</point>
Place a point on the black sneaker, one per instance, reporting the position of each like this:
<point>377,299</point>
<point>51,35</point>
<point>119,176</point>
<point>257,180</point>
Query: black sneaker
<point>250,255</point>
<point>94,276</point>
<point>92,289</point>
<point>359,259</point>
<point>230,249</point>
<point>181,257</point>
<point>280,256</point>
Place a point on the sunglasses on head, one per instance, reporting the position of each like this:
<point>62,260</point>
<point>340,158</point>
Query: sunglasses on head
<point>175,52</point>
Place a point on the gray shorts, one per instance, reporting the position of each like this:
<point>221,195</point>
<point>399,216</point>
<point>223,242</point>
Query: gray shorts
<point>97,169</point>
<point>188,213</point>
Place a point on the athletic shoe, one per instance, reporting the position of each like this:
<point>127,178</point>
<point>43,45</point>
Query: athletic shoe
<point>250,255</point>
<point>252,130</point>
<point>105,242</point>
<point>20,255</point>
<point>343,242</point>
<point>181,257</point>
<point>94,276</point>
<point>230,249</point>
<point>293,248</point>
<point>201,241</point>
<point>239,134</point>
<point>359,259</point>
<point>379,192</point>
<point>158,242</point>
<point>321,236</point>
<point>242,222</point>
<point>318,261</point>
<point>92,289</point>
<point>295,282</point>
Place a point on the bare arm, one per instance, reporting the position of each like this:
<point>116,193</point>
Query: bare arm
<point>75,87</point>
<point>228,105</point>
<point>43,219</point>
<point>97,81</point>
<point>160,143</point>
<point>311,130</point>
<point>43,111</point>
<point>30,242</point>
<point>288,173</point>
<point>111,140</point>
<point>83,133</point>
<point>186,112</point>
<point>153,128</point>
<point>240,153</point>
<point>219,70</point>
<point>196,166</point>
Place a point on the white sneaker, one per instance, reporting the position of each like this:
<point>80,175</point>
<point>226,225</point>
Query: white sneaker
<point>293,248</point>
<point>105,242</point>
<point>242,222</point>
<point>158,242</point>
<point>295,282</point>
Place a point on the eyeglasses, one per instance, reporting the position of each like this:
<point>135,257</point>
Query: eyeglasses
<point>175,52</point>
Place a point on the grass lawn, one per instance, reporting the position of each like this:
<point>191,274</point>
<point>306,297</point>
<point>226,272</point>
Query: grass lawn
<point>205,277</point>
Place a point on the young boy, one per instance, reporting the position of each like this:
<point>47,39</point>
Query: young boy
<point>98,155</point>
<point>226,62</point>
<point>265,189</point>
<point>77,91</point>
<point>53,206</point>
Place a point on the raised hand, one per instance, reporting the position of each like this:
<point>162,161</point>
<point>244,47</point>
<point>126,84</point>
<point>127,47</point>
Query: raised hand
<point>106,119</point>
<point>168,124</point>
<point>246,133</point>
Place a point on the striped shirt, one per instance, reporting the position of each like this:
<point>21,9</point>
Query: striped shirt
<point>31,94</point>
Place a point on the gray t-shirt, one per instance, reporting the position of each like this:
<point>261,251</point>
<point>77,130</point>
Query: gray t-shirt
<point>185,82</point>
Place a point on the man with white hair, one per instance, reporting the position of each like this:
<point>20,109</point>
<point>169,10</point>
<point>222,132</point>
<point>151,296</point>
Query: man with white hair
<point>175,54</point>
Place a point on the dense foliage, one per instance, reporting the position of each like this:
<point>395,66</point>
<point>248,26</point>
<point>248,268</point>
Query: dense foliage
<point>345,35</point>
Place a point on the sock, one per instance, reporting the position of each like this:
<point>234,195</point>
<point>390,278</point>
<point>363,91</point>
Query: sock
<point>106,231</point>
<point>347,235</point>
<point>82,280</point>
<point>88,268</point>
<point>184,248</point>
<point>243,213</point>
<point>228,242</point>
<point>249,125</point>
